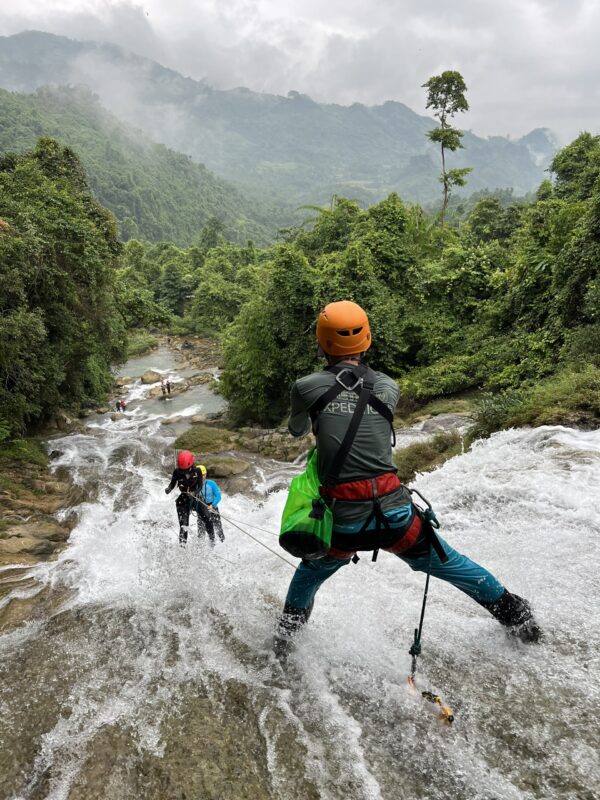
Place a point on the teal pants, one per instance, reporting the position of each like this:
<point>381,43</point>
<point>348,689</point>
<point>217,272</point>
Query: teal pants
<point>460,571</point>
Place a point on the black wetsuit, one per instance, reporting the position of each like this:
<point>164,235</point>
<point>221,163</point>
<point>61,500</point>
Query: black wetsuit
<point>189,482</point>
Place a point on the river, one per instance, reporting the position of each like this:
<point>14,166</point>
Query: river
<point>152,677</point>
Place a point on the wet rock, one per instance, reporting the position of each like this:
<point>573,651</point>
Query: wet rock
<point>66,423</point>
<point>116,416</point>
<point>30,545</point>
<point>446,422</point>
<point>171,420</point>
<point>38,529</point>
<point>205,438</point>
<point>151,376</point>
<point>201,419</point>
<point>202,378</point>
<point>102,410</point>
<point>56,453</point>
<point>225,467</point>
<point>124,381</point>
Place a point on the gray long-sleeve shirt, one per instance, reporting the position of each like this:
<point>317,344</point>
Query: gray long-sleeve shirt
<point>371,451</point>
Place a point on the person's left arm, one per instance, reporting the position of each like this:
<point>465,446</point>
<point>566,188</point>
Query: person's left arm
<point>299,422</point>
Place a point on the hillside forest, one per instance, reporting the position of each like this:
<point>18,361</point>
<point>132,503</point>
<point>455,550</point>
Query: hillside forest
<point>503,298</point>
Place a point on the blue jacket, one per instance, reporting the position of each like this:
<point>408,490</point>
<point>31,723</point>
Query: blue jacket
<point>210,494</point>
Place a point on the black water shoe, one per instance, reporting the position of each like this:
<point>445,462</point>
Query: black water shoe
<point>515,614</point>
<point>291,621</point>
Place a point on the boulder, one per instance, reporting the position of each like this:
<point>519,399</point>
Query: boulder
<point>225,467</point>
<point>102,410</point>
<point>151,376</point>
<point>201,419</point>
<point>239,484</point>
<point>66,423</point>
<point>124,381</point>
<point>116,416</point>
<point>172,420</point>
<point>26,544</point>
<point>203,377</point>
<point>38,529</point>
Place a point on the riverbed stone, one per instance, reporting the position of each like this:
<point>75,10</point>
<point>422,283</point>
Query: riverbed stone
<point>39,529</point>
<point>123,381</point>
<point>31,545</point>
<point>225,467</point>
<point>151,376</point>
<point>204,438</point>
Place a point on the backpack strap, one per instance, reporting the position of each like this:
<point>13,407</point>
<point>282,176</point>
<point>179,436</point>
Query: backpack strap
<point>366,378</point>
<point>348,379</point>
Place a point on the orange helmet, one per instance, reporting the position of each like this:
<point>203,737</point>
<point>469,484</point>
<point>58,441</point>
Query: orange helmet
<point>343,329</point>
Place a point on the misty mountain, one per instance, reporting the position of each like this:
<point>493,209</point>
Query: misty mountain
<point>155,193</point>
<point>288,148</point>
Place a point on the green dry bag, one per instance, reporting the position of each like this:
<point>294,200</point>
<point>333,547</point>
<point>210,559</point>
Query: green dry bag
<point>306,523</point>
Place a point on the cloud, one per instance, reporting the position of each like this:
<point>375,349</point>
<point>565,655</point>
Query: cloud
<point>527,63</point>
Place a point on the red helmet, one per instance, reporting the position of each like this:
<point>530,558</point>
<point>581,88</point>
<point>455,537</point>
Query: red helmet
<point>185,459</point>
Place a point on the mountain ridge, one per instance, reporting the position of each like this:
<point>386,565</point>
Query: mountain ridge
<point>154,192</point>
<point>286,148</point>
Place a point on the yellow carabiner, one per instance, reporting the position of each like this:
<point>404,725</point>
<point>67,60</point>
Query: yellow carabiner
<point>446,712</point>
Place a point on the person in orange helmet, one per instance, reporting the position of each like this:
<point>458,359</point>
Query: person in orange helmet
<point>350,410</point>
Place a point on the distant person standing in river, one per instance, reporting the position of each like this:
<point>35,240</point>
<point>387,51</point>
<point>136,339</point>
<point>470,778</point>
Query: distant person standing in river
<point>168,386</point>
<point>163,387</point>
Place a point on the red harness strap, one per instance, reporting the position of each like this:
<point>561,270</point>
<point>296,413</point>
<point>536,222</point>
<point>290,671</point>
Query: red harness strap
<point>405,542</point>
<point>363,489</point>
<point>409,538</point>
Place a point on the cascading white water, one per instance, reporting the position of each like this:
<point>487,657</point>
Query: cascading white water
<point>155,679</point>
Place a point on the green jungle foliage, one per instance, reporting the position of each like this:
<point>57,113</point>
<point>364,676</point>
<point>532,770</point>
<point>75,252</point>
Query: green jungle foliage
<point>155,193</point>
<point>500,301</point>
<point>506,300</point>
<point>60,325</point>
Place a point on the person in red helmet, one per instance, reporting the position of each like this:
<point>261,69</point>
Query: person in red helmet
<point>189,480</point>
<point>349,408</point>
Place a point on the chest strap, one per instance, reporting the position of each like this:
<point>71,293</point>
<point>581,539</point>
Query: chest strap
<point>360,380</point>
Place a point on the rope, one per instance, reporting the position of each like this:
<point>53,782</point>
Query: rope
<point>235,525</point>
<point>248,525</point>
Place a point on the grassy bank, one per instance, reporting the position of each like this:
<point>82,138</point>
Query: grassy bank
<point>570,397</point>
<point>425,456</point>
<point>24,451</point>
<point>140,342</point>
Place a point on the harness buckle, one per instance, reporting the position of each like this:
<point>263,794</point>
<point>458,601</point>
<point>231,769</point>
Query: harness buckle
<point>358,382</point>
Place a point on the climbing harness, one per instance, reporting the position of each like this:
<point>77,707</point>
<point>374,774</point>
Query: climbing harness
<point>307,520</point>
<point>430,519</point>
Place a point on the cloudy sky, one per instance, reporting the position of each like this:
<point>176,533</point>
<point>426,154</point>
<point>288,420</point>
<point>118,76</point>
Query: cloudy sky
<point>527,63</point>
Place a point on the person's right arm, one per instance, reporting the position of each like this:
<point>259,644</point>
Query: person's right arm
<point>299,422</point>
<point>171,486</point>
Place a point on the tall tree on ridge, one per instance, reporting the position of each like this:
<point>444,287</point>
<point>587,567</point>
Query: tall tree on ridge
<point>446,96</point>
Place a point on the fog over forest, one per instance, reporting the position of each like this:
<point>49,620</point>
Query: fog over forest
<point>528,63</point>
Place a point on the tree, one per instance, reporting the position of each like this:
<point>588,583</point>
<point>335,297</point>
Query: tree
<point>60,323</point>
<point>446,96</point>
